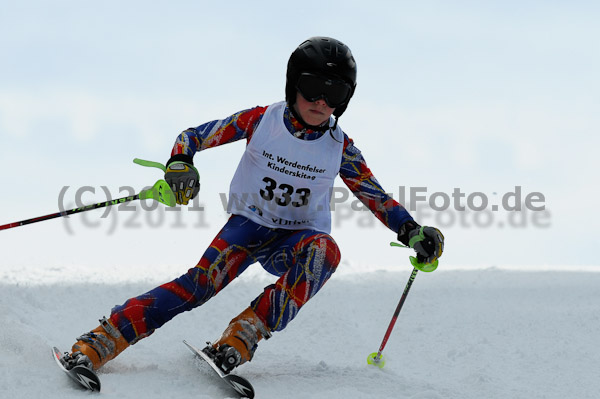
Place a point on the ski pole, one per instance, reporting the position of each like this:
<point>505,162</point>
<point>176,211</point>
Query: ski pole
<point>376,358</point>
<point>160,192</point>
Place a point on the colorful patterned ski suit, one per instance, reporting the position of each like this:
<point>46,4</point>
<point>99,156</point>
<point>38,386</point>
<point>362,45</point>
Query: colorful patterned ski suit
<point>302,259</point>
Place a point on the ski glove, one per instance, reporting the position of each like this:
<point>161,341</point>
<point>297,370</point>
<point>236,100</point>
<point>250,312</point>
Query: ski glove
<point>428,242</point>
<point>184,180</point>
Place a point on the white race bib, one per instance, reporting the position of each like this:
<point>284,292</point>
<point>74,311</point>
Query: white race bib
<point>283,181</point>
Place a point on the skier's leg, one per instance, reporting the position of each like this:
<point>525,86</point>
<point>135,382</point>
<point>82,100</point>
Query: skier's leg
<point>235,247</point>
<point>226,257</point>
<point>304,261</point>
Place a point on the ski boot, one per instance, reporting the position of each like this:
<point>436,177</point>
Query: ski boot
<point>239,341</point>
<point>98,346</point>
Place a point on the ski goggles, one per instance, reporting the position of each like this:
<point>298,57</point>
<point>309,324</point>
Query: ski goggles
<point>335,92</point>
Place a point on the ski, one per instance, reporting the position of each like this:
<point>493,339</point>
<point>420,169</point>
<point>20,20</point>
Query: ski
<point>82,375</point>
<point>239,384</point>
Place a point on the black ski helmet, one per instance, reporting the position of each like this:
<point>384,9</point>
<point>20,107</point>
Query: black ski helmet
<point>322,56</point>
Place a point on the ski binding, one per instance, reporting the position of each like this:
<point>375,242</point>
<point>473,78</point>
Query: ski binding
<point>82,375</point>
<point>239,384</point>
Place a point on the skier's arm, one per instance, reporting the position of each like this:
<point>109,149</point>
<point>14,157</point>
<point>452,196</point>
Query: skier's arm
<point>181,175</point>
<point>360,180</point>
<point>238,126</point>
<point>428,242</point>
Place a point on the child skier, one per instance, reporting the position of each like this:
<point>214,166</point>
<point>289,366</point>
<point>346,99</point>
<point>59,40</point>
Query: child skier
<point>279,205</point>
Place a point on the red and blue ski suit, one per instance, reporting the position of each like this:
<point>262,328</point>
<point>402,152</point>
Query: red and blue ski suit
<point>303,260</point>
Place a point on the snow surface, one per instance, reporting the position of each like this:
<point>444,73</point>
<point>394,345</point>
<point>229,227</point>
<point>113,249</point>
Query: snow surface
<point>488,333</point>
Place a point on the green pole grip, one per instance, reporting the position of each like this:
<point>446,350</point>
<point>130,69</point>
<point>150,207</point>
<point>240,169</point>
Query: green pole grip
<point>150,164</point>
<point>424,267</point>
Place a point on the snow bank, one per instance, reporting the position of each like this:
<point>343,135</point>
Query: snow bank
<point>462,334</point>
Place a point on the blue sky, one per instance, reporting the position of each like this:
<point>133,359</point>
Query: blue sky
<point>481,96</point>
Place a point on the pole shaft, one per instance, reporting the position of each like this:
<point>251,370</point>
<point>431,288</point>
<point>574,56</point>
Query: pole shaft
<point>70,212</point>
<point>397,312</point>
